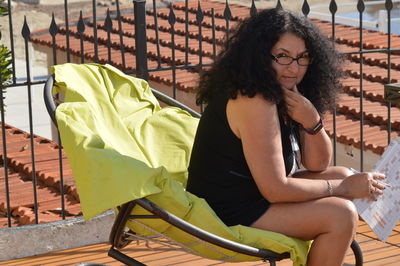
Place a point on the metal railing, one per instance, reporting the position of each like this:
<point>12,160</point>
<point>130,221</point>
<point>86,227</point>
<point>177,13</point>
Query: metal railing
<point>117,52</point>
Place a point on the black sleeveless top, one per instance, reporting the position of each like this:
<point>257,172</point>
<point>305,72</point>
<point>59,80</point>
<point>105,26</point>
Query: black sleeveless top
<point>218,171</point>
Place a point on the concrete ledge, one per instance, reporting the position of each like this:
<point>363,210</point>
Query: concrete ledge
<point>19,242</point>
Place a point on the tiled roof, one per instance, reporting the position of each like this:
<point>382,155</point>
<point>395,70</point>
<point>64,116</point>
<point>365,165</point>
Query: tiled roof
<point>348,111</point>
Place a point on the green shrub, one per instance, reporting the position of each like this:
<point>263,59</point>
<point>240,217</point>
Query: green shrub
<point>5,65</point>
<point>3,8</point>
<point>5,54</point>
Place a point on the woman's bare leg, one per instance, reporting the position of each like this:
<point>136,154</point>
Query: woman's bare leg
<point>332,172</point>
<point>331,222</point>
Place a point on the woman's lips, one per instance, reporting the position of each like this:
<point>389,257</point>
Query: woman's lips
<point>289,78</point>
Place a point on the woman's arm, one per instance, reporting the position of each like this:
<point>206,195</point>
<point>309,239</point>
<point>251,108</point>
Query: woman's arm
<point>255,121</point>
<point>316,150</point>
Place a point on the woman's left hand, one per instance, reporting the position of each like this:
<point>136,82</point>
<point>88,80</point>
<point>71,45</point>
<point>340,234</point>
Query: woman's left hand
<point>299,108</point>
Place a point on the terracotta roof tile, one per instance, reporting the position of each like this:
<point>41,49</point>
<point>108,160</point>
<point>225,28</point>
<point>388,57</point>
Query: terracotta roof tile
<point>20,183</point>
<point>372,73</point>
<point>371,90</point>
<point>348,132</point>
<point>374,112</point>
<point>379,59</point>
<point>350,35</point>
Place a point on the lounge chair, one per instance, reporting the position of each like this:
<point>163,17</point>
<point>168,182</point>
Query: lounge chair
<point>128,153</point>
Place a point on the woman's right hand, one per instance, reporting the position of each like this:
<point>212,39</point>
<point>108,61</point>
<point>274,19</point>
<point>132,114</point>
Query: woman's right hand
<point>362,185</point>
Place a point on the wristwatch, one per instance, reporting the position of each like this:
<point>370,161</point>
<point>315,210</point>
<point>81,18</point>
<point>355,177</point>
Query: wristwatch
<point>315,129</point>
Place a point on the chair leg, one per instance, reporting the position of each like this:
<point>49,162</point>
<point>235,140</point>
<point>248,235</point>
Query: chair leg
<point>117,238</point>
<point>116,234</point>
<point>357,253</point>
<point>124,258</point>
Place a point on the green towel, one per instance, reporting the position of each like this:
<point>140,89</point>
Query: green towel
<point>122,146</point>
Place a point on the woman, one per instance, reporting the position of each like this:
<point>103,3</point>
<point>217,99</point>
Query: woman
<point>266,94</point>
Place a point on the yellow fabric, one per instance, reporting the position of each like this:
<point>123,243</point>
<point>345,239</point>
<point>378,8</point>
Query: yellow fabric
<point>122,146</point>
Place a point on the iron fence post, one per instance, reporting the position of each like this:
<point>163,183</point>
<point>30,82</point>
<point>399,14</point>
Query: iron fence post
<point>140,39</point>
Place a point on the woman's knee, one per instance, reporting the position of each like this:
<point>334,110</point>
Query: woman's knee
<point>343,215</point>
<point>339,172</point>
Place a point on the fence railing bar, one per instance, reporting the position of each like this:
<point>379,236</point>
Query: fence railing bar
<point>361,8</point>
<point>61,168</point>
<point>157,33</point>
<point>26,36</point>
<point>24,84</point>
<point>214,39</point>
<point>186,32</point>
<point>369,51</point>
<point>121,38</point>
<point>191,66</point>
<point>5,159</point>
<point>81,30</point>
<point>54,30</point>
<point>389,6</point>
<point>228,17</point>
<point>333,10</point>
<point>305,8</point>
<point>199,19</point>
<point>253,9</point>
<point>96,52</point>
<point>41,78</point>
<point>10,24</point>
<point>140,38</point>
<point>171,21</point>
<point>67,30</point>
<point>108,28</point>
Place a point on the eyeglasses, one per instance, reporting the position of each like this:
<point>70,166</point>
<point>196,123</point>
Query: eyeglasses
<point>302,60</point>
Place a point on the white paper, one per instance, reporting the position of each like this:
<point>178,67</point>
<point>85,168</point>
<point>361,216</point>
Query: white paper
<point>382,215</point>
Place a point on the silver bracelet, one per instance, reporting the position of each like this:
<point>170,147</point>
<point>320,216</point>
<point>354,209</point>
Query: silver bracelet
<point>330,189</point>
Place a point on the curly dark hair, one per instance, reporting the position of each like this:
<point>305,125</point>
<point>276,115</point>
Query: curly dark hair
<point>244,65</point>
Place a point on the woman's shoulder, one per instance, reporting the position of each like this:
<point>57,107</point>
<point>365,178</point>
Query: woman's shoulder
<point>251,117</point>
<point>257,101</point>
<point>245,109</point>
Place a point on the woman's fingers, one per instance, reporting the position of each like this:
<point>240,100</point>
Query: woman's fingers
<point>375,192</point>
<point>376,186</point>
<point>378,176</point>
<point>299,108</point>
<point>291,97</point>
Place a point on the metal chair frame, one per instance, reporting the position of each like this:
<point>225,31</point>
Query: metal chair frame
<point>119,237</point>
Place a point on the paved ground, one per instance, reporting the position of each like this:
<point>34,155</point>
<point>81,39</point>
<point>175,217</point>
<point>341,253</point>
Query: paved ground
<point>17,110</point>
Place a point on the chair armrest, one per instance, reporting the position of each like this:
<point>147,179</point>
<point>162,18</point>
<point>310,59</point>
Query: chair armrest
<point>48,99</point>
<point>171,101</point>
<point>207,236</point>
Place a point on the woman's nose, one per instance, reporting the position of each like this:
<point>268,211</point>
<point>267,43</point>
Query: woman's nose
<point>294,66</point>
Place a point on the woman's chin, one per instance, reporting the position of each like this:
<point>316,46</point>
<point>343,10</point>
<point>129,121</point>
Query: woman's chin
<point>288,85</point>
